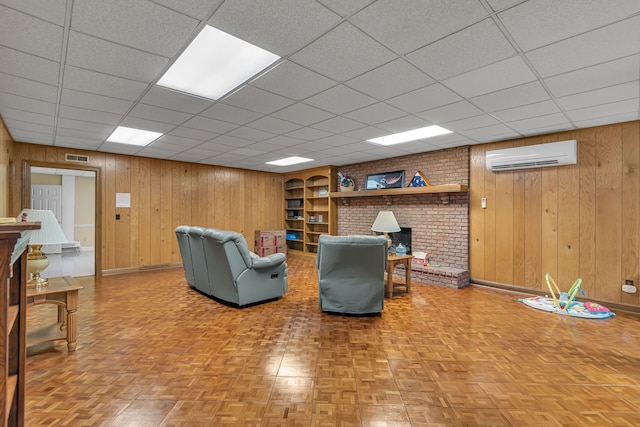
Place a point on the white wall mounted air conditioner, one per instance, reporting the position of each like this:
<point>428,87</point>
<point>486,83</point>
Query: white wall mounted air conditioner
<point>533,156</point>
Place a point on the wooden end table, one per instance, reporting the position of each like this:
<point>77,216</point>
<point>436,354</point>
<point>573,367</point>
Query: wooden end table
<point>392,262</point>
<point>62,291</point>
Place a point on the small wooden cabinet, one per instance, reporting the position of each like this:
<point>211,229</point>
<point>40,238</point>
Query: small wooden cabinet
<point>13,274</point>
<point>309,209</point>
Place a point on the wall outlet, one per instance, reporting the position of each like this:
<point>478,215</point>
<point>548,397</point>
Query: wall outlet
<point>628,287</point>
<point>483,203</point>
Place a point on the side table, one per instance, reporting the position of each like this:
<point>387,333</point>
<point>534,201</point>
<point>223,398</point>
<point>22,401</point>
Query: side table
<point>62,291</point>
<point>392,262</point>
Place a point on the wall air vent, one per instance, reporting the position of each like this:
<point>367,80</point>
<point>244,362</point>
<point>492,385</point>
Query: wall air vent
<point>77,158</point>
<point>533,156</point>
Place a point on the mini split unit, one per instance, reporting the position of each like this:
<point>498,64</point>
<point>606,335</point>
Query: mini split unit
<point>533,156</point>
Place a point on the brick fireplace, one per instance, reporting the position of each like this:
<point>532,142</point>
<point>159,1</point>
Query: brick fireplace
<point>439,222</point>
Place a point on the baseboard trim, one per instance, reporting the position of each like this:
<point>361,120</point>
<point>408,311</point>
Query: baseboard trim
<point>518,289</point>
<point>115,271</point>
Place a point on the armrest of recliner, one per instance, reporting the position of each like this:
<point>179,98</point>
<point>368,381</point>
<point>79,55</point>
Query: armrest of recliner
<point>268,261</point>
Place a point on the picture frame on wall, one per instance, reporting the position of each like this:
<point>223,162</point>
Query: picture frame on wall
<point>384,180</point>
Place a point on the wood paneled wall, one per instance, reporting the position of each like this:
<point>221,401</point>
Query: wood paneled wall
<point>572,221</point>
<point>164,194</point>
<point>6,151</point>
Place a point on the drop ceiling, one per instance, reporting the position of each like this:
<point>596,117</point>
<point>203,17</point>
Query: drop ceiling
<point>489,70</point>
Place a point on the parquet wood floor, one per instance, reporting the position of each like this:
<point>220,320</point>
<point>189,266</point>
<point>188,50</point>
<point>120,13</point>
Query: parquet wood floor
<point>153,352</point>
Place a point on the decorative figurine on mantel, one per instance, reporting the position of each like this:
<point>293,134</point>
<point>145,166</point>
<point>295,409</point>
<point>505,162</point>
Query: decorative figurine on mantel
<point>345,183</point>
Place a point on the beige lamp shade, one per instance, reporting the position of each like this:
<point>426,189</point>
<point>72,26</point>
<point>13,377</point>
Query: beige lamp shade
<point>50,233</point>
<point>386,223</point>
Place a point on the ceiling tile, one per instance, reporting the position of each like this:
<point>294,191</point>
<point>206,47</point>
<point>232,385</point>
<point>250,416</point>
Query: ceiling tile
<point>185,132</point>
<point>258,100</point>
<point>345,8</point>
<point>513,97</point>
<point>474,47</point>
<point>145,124</point>
<point>602,45</point>
<point>605,95</point>
<point>279,26</point>
<point>231,114</point>
<point>209,125</point>
<point>415,23</point>
<point>376,113</point>
<point>426,98</point>
<point>498,5</point>
<point>403,123</point>
<point>336,140</point>
<point>457,110</point>
<point>17,125</point>
<point>302,114</point>
<point>144,111</point>
<point>103,117</point>
<point>110,58</point>
<point>498,131</point>
<point>274,125</point>
<point>26,116</point>
<point>611,109</point>
<point>95,128</point>
<point>605,120</point>
<point>199,9</point>
<point>532,25</point>
<point>48,10</point>
<point>308,134</point>
<point>179,141</point>
<point>250,134</point>
<point>555,121</point>
<point>177,101</point>
<point>164,31</point>
<point>28,66</point>
<point>543,108</point>
<point>601,75</point>
<point>293,81</point>
<point>32,137</point>
<point>340,100</point>
<point>28,104</point>
<point>28,88</point>
<point>282,141</point>
<point>102,84</point>
<point>500,75</point>
<point>19,31</point>
<point>92,101</point>
<point>338,124</point>
<point>483,120</point>
<point>391,79</point>
<point>343,53</point>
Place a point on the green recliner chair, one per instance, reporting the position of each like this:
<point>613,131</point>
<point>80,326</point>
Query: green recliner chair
<point>351,273</point>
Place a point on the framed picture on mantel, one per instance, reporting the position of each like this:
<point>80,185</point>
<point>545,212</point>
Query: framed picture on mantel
<point>380,181</point>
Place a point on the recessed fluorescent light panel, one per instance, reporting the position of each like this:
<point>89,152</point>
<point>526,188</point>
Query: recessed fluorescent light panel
<point>131,136</point>
<point>290,161</point>
<point>214,64</point>
<point>410,135</point>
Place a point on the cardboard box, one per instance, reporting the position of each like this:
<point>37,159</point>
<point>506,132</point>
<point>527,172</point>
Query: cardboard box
<point>268,250</point>
<point>420,258</point>
<point>265,238</point>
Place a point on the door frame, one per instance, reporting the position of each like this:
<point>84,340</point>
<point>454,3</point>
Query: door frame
<point>26,198</point>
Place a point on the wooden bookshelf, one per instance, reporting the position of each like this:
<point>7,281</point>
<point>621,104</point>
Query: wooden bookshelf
<point>447,188</point>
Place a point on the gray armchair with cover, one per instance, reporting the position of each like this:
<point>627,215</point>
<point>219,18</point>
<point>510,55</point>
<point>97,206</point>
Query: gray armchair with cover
<point>351,273</point>
<point>218,263</point>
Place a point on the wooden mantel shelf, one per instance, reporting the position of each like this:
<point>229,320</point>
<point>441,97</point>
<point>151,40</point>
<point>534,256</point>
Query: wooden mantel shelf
<point>448,188</point>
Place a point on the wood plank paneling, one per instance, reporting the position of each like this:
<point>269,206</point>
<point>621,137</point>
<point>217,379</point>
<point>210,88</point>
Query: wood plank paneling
<point>476,213</point>
<point>587,165</point>
<point>572,221</point>
<point>608,212</point>
<point>164,194</point>
<point>568,222</point>
<point>630,209</point>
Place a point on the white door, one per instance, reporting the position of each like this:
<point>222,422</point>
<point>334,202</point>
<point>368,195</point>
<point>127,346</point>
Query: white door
<point>48,197</point>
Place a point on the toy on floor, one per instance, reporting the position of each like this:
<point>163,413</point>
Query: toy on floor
<point>565,302</point>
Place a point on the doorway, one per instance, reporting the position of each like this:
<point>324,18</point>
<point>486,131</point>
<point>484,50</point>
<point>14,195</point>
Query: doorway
<point>73,193</point>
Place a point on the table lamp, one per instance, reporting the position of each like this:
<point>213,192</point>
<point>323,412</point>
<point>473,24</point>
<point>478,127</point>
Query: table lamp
<point>386,223</point>
<point>50,233</point>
